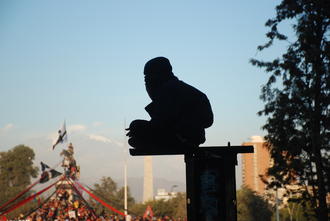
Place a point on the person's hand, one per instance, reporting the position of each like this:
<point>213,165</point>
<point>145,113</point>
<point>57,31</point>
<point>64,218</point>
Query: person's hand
<point>133,128</point>
<point>136,127</point>
<point>129,134</point>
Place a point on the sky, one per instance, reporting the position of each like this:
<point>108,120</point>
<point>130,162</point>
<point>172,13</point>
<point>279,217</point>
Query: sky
<point>82,62</point>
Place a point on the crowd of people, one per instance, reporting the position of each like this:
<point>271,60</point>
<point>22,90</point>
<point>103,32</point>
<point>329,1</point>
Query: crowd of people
<point>163,218</point>
<point>67,204</point>
<point>62,207</point>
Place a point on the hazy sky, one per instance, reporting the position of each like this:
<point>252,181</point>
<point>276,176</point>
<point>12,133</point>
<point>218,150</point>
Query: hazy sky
<point>82,61</point>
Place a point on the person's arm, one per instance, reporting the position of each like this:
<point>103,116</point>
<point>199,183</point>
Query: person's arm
<point>164,111</point>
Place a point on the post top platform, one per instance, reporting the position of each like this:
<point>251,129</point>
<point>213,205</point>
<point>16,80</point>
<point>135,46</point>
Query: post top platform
<point>223,150</point>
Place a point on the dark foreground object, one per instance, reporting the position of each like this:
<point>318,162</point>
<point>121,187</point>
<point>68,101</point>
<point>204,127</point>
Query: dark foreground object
<point>210,180</point>
<point>179,113</point>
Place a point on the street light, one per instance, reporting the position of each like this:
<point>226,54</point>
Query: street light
<point>172,188</point>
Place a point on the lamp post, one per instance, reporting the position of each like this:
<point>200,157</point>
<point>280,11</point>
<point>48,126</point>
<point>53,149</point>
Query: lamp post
<point>171,190</point>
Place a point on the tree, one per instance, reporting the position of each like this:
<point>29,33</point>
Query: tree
<point>108,191</point>
<point>297,97</point>
<point>161,208</point>
<point>180,205</point>
<point>16,171</point>
<point>252,207</point>
<point>120,196</point>
<point>174,207</point>
<point>294,211</point>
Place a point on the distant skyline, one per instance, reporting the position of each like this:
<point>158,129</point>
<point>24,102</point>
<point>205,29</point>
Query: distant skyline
<point>82,62</point>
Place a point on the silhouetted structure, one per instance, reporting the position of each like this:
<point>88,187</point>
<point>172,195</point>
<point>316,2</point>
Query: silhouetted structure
<point>179,115</point>
<point>210,180</point>
<point>179,112</point>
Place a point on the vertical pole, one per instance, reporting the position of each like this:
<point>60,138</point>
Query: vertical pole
<point>190,187</point>
<point>125,187</point>
<point>276,205</point>
<point>125,173</point>
<point>228,168</point>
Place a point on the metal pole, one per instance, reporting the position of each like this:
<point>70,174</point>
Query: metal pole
<point>276,204</point>
<point>127,218</point>
<point>125,187</point>
<point>172,188</point>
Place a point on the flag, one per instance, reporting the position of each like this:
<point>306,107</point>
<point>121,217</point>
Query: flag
<point>44,177</point>
<point>43,166</point>
<point>47,174</point>
<point>54,173</point>
<point>62,136</point>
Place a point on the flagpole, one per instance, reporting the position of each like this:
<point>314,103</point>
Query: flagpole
<point>125,189</point>
<point>125,172</point>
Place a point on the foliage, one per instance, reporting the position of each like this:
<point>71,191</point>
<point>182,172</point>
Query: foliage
<point>297,97</point>
<point>180,205</point>
<point>252,207</point>
<point>295,211</point>
<point>16,171</point>
<point>120,196</point>
<point>108,191</point>
<point>174,207</point>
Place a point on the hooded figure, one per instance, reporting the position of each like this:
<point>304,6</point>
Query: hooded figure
<point>179,112</point>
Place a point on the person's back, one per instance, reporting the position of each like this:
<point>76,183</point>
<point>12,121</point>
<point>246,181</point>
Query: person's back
<point>179,112</point>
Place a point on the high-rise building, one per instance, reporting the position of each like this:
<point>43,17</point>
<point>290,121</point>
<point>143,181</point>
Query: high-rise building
<point>255,165</point>
<point>148,190</point>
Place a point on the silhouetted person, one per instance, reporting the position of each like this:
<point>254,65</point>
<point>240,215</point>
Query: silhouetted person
<point>179,112</point>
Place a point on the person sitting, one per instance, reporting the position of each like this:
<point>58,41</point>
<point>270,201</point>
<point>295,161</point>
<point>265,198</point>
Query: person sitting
<point>179,112</point>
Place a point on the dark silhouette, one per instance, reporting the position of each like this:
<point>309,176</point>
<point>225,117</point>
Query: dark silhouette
<point>179,112</point>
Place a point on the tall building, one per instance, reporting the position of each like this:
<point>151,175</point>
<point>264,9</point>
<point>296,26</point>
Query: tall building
<point>255,164</point>
<point>148,190</point>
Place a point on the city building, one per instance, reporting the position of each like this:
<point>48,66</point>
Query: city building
<point>255,165</point>
<point>162,194</point>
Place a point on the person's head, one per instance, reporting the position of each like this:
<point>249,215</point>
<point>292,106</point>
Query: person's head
<point>156,72</point>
